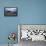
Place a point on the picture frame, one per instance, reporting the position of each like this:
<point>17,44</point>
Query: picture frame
<point>33,31</point>
<point>10,11</point>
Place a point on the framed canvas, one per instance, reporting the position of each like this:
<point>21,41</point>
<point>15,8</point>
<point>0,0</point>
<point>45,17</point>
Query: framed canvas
<point>32,32</point>
<point>10,11</point>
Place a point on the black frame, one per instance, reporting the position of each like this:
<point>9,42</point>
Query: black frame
<point>14,14</point>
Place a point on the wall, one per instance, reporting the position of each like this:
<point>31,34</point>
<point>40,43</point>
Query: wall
<point>29,12</point>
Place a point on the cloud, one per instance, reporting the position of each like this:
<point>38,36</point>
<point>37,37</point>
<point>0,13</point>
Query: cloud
<point>10,9</point>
